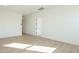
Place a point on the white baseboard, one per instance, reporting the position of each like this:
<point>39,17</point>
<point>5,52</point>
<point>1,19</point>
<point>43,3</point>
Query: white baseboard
<point>10,36</point>
<point>65,41</point>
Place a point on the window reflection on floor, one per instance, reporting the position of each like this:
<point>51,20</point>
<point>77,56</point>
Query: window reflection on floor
<point>30,47</point>
<point>17,45</point>
<point>41,49</point>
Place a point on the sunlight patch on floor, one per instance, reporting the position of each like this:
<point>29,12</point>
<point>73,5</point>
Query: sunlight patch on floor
<point>41,49</point>
<point>30,47</point>
<point>17,45</point>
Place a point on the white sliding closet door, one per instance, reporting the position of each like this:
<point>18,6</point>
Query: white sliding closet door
<point>38,24</point>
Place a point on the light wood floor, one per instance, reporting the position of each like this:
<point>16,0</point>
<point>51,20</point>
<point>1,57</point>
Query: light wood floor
<point>38,41</point>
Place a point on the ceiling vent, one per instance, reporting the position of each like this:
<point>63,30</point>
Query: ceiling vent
<point>41,8</point>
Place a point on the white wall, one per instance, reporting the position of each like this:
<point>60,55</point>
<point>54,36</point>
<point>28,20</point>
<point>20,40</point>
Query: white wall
<point>59,23</point>
<point>29,24</point>
<point>10,23</point>
<point>32,24</point>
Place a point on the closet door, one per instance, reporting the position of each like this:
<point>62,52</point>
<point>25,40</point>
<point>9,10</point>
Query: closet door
<point>38,24</point>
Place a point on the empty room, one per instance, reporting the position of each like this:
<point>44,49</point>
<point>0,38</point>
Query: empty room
<point>39,28</point>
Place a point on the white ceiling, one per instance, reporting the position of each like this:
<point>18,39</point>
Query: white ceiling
<point>24,9</point>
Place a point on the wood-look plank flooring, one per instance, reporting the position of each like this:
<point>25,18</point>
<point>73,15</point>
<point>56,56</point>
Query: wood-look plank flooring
<point>38,41</point>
